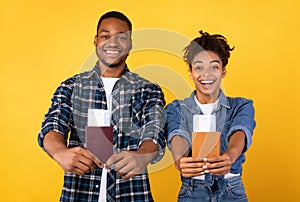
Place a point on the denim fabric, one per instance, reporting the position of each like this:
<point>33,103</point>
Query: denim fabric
<point>196,190</point>
<point>232,114</point>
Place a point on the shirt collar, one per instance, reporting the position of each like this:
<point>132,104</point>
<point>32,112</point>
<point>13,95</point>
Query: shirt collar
<point>96,70</point>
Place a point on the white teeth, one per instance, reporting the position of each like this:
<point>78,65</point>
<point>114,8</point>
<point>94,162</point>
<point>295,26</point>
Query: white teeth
<point>112,52</point>
<point>206,82</point>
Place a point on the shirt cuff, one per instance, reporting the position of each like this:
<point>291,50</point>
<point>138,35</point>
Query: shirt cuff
<point>246,131</point>
<point>160,151</point>
<point>181,134</point>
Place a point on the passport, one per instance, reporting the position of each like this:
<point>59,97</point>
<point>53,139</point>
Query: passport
<point>99,141</point>
<point>205,144</point>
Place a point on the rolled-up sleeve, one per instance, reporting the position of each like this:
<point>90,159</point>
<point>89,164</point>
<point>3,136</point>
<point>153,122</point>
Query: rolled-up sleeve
<point>154,119</point>
<point>176,123</point>
<point>59,115</point>
<point>244,121</point>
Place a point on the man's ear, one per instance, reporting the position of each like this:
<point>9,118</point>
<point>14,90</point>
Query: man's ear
<point>130,47</point>
<point>95,40</point>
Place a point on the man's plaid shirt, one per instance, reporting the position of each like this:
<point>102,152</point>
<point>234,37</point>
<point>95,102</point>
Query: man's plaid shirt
<point>137,115</point>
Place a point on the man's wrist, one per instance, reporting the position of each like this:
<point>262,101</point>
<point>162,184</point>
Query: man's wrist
<point>149,149</point>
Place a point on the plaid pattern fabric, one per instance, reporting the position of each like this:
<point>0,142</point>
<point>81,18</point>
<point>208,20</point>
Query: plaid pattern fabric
<point>137,115</point>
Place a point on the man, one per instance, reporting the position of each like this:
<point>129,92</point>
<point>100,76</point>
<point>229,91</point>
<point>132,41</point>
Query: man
<point>137,118</point>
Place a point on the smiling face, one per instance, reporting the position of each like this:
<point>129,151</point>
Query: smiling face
<point>207,72</point>
<point>113,43</point>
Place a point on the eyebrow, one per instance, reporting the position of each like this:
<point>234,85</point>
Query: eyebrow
<point>199,61</point>
<point>107,31</point>
<point>103,30</point>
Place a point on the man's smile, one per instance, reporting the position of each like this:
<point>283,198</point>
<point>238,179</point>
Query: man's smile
<point>112,52</point>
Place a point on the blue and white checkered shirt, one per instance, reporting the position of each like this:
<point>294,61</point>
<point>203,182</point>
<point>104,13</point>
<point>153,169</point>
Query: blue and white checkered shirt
<point>137,115</point>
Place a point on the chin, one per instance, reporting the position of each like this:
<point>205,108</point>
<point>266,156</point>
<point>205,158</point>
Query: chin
<point>113,64</point>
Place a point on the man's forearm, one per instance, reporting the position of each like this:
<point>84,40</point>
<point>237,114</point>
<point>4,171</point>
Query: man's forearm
<point>54,142</point>
<point>149,149</point>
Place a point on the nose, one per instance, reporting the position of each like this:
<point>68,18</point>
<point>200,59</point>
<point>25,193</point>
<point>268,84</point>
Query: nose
<point>113,41</point>
<point>205,72</point>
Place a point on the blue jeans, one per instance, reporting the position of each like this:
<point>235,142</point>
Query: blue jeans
<point>195,190</point>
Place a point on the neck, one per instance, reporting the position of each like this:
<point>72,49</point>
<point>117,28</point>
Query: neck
<point>206,99</point>
<point>112,72</point>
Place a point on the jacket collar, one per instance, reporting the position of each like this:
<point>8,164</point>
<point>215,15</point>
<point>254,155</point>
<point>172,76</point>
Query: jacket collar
<point>195,109</point>
<point>97,72</point>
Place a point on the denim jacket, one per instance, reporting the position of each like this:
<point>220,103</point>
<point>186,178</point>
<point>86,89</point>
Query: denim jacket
<point>232,114</point>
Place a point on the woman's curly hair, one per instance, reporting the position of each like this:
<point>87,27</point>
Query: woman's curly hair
<point>215,43</point>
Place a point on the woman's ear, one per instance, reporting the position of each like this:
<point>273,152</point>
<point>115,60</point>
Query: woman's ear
<point>191,76</point>
<point>224,72</point>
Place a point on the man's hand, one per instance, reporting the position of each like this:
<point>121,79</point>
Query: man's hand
<point>76,160</point>
<point>130,163</point>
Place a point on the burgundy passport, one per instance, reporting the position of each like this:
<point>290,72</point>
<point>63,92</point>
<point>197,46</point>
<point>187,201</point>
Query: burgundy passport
<point>99,141</point>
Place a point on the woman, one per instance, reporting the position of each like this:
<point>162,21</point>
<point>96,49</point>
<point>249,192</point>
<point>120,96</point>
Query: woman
<point>217,178</point>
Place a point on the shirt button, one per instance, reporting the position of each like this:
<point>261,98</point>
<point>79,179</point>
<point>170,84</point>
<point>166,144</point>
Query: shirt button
<point>97,186</point>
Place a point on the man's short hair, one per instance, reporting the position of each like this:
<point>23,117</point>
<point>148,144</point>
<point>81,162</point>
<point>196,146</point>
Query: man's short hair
<point>114,14</point>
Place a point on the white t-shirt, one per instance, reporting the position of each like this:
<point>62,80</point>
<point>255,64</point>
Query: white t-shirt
<point>109,84</point>
<point>207,109</point>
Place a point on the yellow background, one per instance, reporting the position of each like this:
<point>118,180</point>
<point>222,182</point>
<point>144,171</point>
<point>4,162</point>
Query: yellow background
<point>44,42</point>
